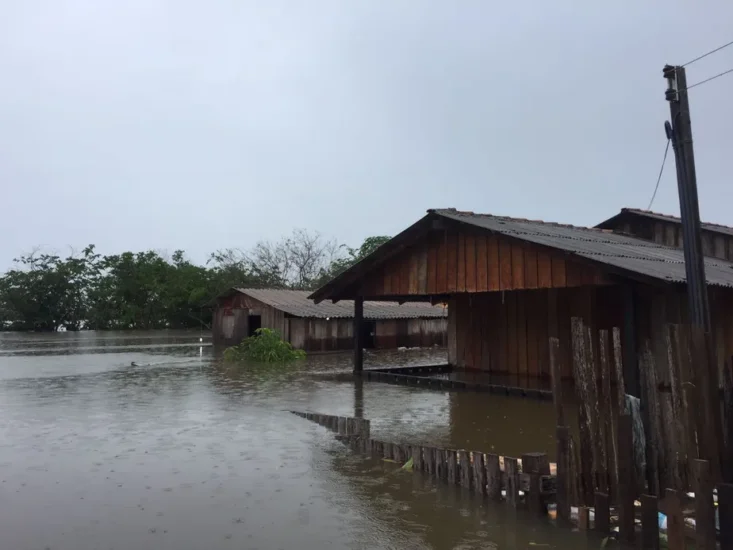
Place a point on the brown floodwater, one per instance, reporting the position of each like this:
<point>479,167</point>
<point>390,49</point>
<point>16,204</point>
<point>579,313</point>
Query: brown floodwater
<point>146,441</point>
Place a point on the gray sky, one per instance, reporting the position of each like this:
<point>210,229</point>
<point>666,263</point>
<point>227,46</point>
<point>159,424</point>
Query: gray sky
<point>160,124</point>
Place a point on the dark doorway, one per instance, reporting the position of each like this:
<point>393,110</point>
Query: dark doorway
<point>368,330</point>
<point>255,322</point>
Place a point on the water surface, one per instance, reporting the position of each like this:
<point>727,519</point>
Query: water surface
<point>146,441</point>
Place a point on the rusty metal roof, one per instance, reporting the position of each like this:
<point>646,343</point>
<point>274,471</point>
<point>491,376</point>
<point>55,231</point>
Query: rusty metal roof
<point>706,226</point>
<point>619,251</point>
<point>297,303</point>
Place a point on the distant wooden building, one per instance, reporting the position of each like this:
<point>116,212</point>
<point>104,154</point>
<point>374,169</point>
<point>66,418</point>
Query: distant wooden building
<point>512,283</point>
<point>717,240</point>
<point>325,327</point>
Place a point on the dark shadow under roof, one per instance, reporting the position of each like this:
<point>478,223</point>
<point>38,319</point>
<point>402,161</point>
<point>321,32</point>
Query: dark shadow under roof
<point>298,304</point>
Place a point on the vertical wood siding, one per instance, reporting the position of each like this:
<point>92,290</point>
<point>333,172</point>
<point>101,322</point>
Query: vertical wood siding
<point>451,262</point>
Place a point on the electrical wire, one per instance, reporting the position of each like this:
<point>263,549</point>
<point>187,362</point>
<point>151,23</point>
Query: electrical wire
<point>708,53</point>
<point>709,79</point>
<point>659,178</point>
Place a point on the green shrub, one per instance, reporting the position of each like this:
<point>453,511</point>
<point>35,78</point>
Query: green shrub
<point>266,346</point>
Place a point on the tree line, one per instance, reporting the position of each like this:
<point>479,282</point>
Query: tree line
<point>153,290</point>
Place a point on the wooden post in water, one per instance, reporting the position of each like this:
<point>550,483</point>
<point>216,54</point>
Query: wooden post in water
<point>725,514</point>
<point>625,479</point>
<point>479,472</point>
<point>704,507</point>
<point>602,513</point>
<point>452,467</point>
<point>563,474</point>
<point>464,462</point>
<point>493,476</point>
<point>536,465</point>
<point>675,521</point>
<point>649,522</point>
<point>358,334</point>
<point>511,469</point>
<point>416,458</point>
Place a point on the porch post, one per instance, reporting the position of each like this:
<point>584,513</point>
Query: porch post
<point>628,337</point>
<point>358,334</point>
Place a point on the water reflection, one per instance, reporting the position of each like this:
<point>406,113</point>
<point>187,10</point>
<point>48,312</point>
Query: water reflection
<point>182,451</point>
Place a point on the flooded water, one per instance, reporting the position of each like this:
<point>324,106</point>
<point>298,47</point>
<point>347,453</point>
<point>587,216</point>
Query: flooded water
<point>146,441</point>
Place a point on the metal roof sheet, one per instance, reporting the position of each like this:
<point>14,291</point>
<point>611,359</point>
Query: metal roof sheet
<point>620,251</point>
<point>297,303</point>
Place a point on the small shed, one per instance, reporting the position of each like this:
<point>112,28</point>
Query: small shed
<point>239,312</point>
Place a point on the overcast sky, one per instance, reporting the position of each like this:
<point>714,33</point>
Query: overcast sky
<point>143,124</point>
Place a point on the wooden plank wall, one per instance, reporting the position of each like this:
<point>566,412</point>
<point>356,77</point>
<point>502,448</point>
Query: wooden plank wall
<point>449,261</point>
<point>508,332</point>
<point>410,333</point>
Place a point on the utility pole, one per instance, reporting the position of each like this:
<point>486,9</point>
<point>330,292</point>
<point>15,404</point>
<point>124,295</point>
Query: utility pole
<point>680,132</point>
<point>705,367</point>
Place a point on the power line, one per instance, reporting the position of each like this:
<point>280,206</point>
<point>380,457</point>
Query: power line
<point>659,178</point>
<point>709,79</point>
<point>708,53</point>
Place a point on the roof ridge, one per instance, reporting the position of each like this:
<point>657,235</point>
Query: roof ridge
<point>513,219</point>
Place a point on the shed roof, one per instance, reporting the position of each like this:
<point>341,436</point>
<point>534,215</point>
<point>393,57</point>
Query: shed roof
<point>707,226</point>
<point>622,254</point>
<point>298,304</point>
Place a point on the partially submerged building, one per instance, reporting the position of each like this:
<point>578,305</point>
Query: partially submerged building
<point>512,283</point>
<point>239,312</point>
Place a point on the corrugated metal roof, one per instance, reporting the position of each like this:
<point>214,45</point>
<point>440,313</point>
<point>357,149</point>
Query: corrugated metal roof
<point>621,251</point>
<point>297,303</point>
<point>707,226</point>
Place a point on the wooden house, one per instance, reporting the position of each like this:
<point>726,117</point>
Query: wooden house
<point>512,283</point>
<point>239,312</point>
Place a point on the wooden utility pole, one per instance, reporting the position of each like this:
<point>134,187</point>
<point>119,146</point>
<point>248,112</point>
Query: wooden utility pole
<point>680,132</point>
<point>710,433</point>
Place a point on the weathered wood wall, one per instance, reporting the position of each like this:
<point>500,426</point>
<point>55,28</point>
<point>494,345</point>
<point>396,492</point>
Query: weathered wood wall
<point>669,233</point>
<point>450,261</point>
<point>508,332</point>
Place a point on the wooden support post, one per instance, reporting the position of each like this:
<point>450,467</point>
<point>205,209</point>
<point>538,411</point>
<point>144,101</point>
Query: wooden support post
<point>428,460</point>
<point>387,450</point>
<point>583,518</point>
<point>341,425</point>
<point>464,463</point>
<point>511,469</point>
<point>479,472</point>
<point>602,513</point>
<point>563,475</point>
<point>536,465</point>
<point>704,507</point>
<point>725,514</point>
<point>397,455</point>
<point>439,457</point>
<point>416,458</point>
<point>626,479</point>
<point>493,476</point>
<point>452,467</point>
<point>358,335</point>
<point>675,521</point>
<point>649,522</point>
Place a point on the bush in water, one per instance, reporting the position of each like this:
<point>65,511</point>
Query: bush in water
<point>265,346</point>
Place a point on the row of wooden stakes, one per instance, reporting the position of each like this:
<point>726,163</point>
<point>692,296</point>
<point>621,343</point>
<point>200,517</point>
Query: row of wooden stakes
<point>497,477</point>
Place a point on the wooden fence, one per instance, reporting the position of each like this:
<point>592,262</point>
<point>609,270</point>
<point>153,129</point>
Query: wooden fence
<point>669,463</point>
<point>524,481</point>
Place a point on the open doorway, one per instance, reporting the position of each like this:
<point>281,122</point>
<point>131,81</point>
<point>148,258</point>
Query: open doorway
<point>368,330</point>
<point>255,322</point>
